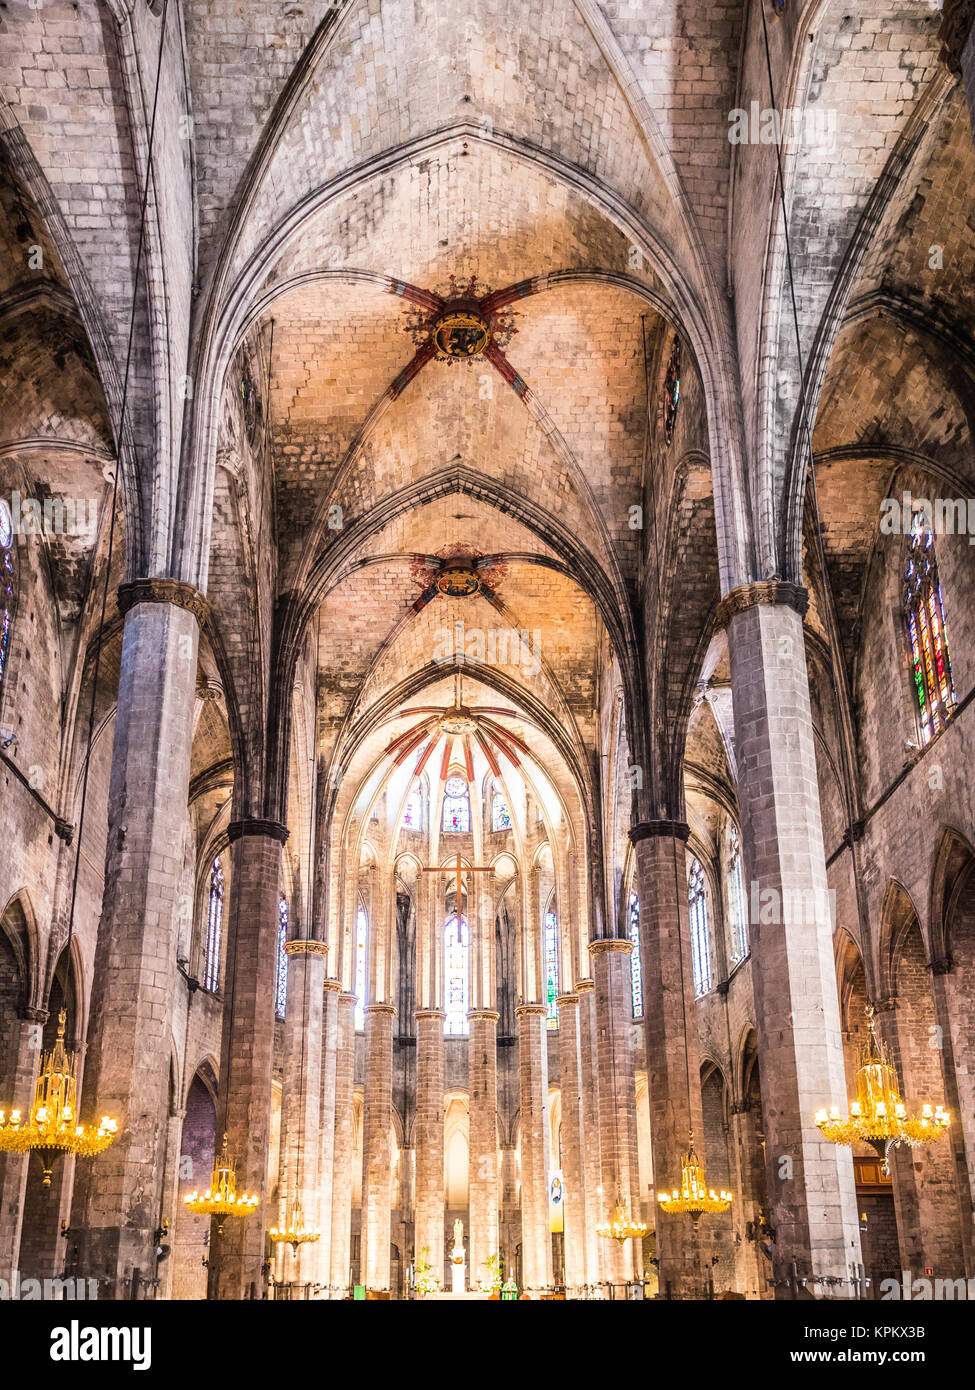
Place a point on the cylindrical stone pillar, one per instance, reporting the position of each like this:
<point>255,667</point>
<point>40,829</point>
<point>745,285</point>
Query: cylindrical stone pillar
<point>247,1053</point>
<point>573,1142</point>
<point>331,990</point>
<point>118,1199</point>
<point>617,1099</point>
<point>13,1167</point>
<point>340,1255</point>
<point>301,1100</point>
<point>429,1201</point>
<point>812,1198</point>
<point>536,1242</point>
<point>670,1030</point>
<point>589,1092</point>
<point>482,1086</point>
<point>377,1120</point>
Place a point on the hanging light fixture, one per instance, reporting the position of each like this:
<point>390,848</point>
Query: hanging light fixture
<point>295,1232</point>
<point>694,1198</point>
<point>221,1198</point>
<point>52,1127</point>
<point>621,1226</point>
<point>878,1116</point>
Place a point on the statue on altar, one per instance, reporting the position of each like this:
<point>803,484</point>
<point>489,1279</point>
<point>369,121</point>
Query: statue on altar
<point>458,1260</point>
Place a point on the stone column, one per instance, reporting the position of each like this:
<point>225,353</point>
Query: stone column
<point>536,1242</point>
<point>247,1051</point>
<point>118,1199</point>
<point>811,1195</point>
<point>589,1092</point>
<point>673,1055</point>
<point>377,1120</point>
<point>429,1201</point>
<point>331,989</point>
<point>13,1167</point>
<point>170,1205</point>
<point>482,1085</point>
<point>617,1098</point>
<point>573,1141</point>
<point>301,1099</point>
<point>340,1256</point>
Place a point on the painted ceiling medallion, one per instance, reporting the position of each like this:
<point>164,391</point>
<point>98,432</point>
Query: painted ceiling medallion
<point>458,578</point>
<point>461,332</point>
<point>459,720</point>
<point>459,328</point>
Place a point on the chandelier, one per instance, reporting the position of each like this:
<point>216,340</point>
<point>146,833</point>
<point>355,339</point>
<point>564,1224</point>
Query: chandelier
<point>295,1233</point>
<point>221,1199</point>
<point>878,1116</point>
<point>694,1198</point>
<point>52,1128</point>
<point>621,1226</point>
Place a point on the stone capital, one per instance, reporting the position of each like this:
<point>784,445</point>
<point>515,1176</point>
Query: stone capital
<point>163,591</point>
<point>957,21</point>
<point>659,829</point>
<point>272,829</point>
<point>424,1015</point>
<point>585,986</point>
<point>609,944</point>
<point>350,1000</point>
<point>388,1009</point>
<point>31,1015</point>
<point>884,1006</point>
<point>302,947</point>
<point>766,592</point>
<point>566,1000</point>
<point>63,829</point>
<point>483,1015</point>
<point>333,987</point>
<point>531,1011</point>
<point>944,965</point>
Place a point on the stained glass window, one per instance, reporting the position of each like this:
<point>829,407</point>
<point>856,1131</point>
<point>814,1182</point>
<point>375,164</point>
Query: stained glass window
<point>924,608</point>
<point>281,995</point>
<point>456,966</point>
<point>456,806</point>
<point>361,931</point>
<point>211,960</point>
<point>636,964</point>
<point>6,585</point>
<point>500,815</point>
<point>552,968</point>
<point>700,943</point>
<point>736,903</point>
<point>672,391</point>
<point>413,814</point>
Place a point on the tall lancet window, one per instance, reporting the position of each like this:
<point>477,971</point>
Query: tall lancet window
<point>636,964</point>
<point>924,609</point>
<point>700,933</point>
<point>359,956</point>
<point>6,586</point>
<point>552,968</point>
<point>457,975</point>
<point>500,814</point>
<point>413,811</point>
<point>211,957</point>
<point>456,806</point>
<point>281,992</point>
<point>736,902</point>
